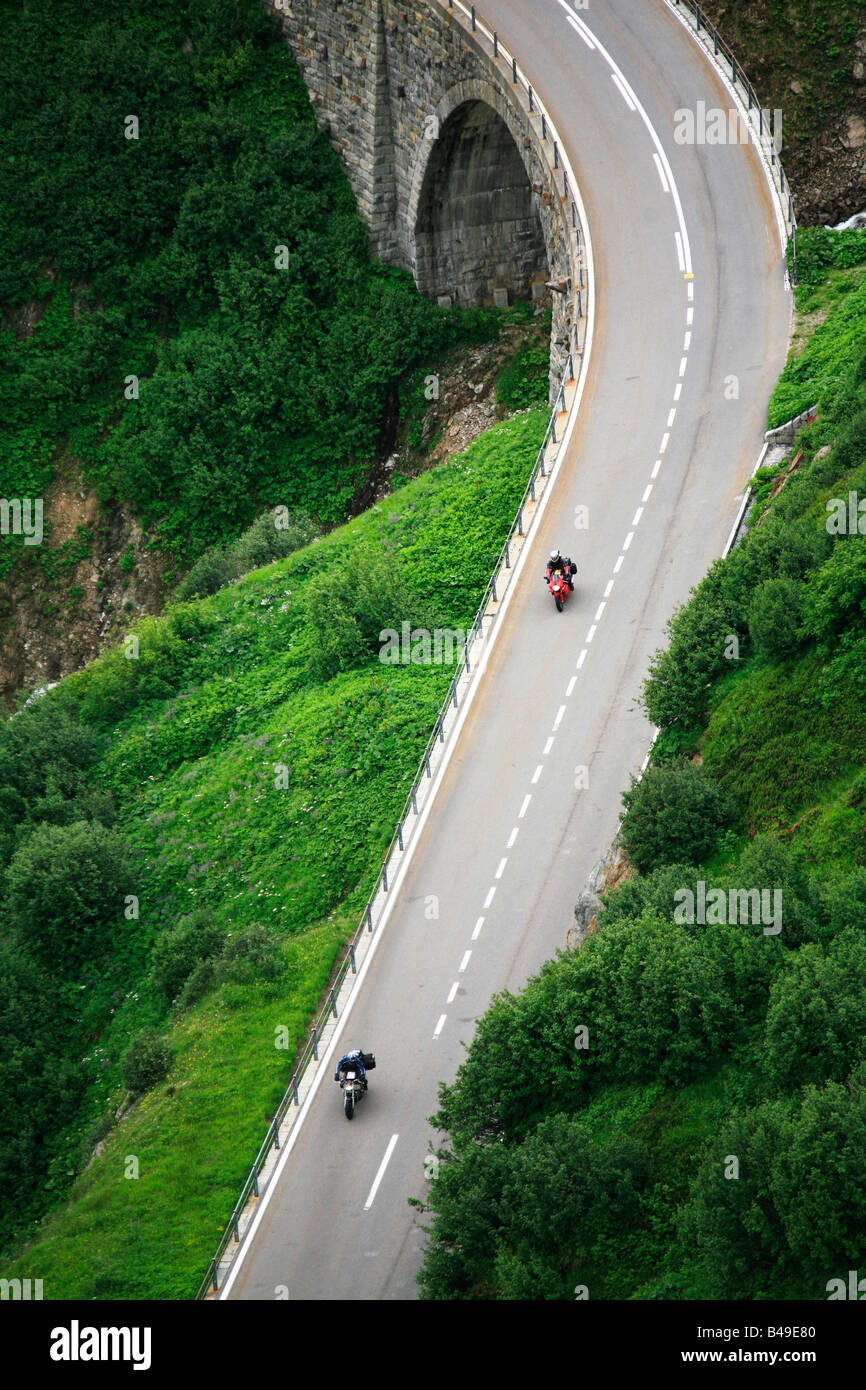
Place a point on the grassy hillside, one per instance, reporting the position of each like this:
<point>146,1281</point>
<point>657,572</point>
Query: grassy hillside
<point>191,326</point>
<point>240,777</point>
<point>705,1136</point>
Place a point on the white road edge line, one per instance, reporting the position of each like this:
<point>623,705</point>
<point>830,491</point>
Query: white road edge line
<point>382,1166</point>
<point>464,962</point>
<point>618,82</point>
<point>477,932</point>
<point>453,992</point>
<point>526,800</point>
<point>440,1025</point>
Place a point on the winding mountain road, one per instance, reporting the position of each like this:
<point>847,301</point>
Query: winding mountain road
<point>670,425</point>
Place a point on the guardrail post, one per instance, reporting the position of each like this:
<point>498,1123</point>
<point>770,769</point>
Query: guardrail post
<point>473,19</point>
<point>427,762</point>
<point>414,800</point>
<point>354,970</point>
<point>574,218</point>
<point>556,154</point>
<point>715,40</point>
<point>213,1275</point>
<point>333,1002</point>
<point>493,589</point>
<point>466,644</point>
<point>400,833</point>
<point>514,70</point>
<point>733,70</point>
<point>315,1045</point>
<point>507,564</point>
<point>698,17</point>
<point>454,690</point>
<point>565,182</point>
<point>571,366</point>
<point>520,521</point>
<point>295,1087</point>
<point>441,731</point>
<point>531,107</point>
<point>235,1226</point>
<point>495,44</point>
<point>553,430</point>
<point>532,488</point>
<point>255,1182</point>
<point>543,126</point>
<point>369,918</point>
<point>276,1134</point>
<point>384,878</point>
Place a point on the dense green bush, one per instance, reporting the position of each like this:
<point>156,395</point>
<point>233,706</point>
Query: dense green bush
<point>65,892</point>
<point>180,950</point>
<point>146,1061</point>
<point>250,955</point>
<point>793,1218</point>
<point>774,618</point>
<point>673,814</point>
<point>816,1020</point>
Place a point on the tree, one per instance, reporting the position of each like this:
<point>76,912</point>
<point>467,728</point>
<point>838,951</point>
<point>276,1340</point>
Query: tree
<point>66,886</point>
<point>673,815</point>
<point>774,618</point>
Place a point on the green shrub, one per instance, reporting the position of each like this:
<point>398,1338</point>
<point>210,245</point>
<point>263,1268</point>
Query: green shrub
<point>146,1061</point>
<point>774,618</point>
<point>182,949</point>
<point>66,886</point>
<point>674,814</point>
<point>250,955</point>
<point>211,572</point>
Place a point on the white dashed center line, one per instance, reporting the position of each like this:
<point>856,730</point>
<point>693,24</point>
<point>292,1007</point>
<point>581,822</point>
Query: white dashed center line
<point>384,1164</point>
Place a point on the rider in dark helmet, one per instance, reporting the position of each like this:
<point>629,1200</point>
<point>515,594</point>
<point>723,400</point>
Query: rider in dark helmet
<point>352,1062</point>
<point>564,564</point>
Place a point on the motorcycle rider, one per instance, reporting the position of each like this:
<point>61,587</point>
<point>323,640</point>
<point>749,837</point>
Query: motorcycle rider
<point>564,564</point>
<point>352,1062</point>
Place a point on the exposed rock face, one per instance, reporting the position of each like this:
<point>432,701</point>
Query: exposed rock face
<point>49,630</point>
<point>608,872</point>
<point>824,136</point>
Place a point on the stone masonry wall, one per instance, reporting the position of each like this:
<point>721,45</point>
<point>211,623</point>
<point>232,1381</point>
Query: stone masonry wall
<point>418,111</point>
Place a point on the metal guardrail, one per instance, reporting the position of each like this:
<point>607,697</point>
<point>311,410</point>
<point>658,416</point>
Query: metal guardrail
<point>424,774</point>
<point>709,36</point>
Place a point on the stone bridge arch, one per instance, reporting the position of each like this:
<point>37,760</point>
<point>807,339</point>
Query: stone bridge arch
<point>473,220</point>
<point>453,170</point>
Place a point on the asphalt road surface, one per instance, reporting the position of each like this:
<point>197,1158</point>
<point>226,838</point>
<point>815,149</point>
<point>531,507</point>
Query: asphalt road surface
<point>560,690</point>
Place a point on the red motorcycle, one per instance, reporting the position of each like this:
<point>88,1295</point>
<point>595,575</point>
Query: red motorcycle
<point>560,585</point>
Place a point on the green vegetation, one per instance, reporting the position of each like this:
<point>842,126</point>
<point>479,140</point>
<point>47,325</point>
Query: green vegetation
<point>214,254</point>
<point>187,838</point>
<point>678,1109</point>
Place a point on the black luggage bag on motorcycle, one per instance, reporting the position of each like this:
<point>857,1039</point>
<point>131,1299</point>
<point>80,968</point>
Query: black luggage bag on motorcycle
<point>369,1060</point>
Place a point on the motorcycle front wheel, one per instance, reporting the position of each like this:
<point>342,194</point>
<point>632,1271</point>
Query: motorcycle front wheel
<point>558,602</point>
<point>349,1105</point>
